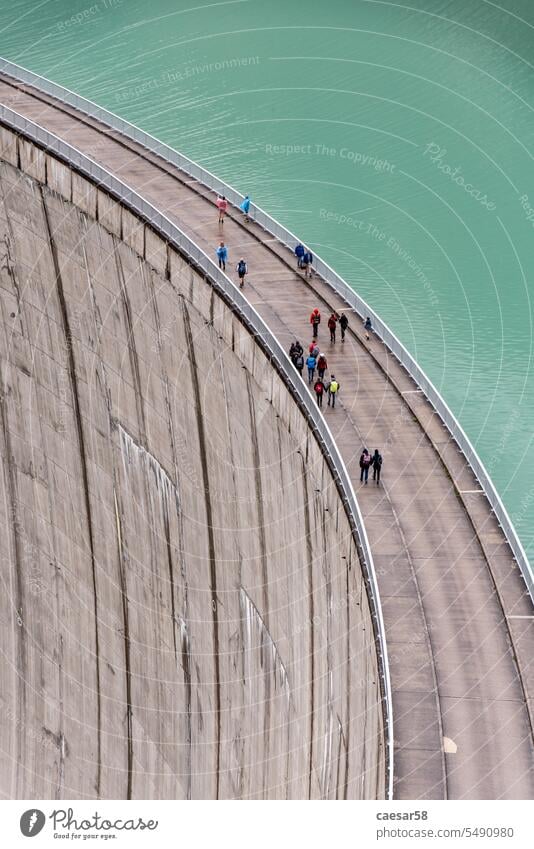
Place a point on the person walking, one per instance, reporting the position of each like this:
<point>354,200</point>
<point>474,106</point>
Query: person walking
<point>367,327</point>
<point>222,254</point>
<point>244,206</point>
<point>222,206</point>
<point>299,363</point>
<point>332,325</point>
<point>242,271</point>
<point>318,388</point>
<point>295,350</point>
<point>306,262</point>
<point>333,389</point>
<point>299,253</point>
<point>376,462</point>
<point>343,323</point>
<point>365,462</point>
<point>322,365</point>
<point>315,320</point>
<point>311,363</point>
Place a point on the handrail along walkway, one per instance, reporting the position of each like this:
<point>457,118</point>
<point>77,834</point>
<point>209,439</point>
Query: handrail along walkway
<point>331,278</point>
<point>277,356</point>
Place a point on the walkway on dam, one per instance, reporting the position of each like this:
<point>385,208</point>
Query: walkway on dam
<point>459,622</point>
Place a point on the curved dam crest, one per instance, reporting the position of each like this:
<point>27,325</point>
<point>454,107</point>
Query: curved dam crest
<point>185,614</point>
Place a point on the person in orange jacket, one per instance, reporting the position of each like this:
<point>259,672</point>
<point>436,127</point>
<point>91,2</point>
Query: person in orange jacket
<point>315,320</point>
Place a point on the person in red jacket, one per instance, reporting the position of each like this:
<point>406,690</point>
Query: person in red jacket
<point>332,325</point>
<point>222,206</point>
<point>315,320</point>
<point>318,388</point>
<point>322,365</point>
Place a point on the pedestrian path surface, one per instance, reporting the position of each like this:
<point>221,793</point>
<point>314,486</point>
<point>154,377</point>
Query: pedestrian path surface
<point>459,623</point>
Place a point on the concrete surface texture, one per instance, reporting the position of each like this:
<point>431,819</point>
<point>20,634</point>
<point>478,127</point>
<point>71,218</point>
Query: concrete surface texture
<point>183,613</point>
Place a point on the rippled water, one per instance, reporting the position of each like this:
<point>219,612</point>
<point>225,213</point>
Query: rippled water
<point>395,138</point>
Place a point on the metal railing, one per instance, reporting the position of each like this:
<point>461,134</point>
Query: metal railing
<point>277,356</point>
<point>334,281</point>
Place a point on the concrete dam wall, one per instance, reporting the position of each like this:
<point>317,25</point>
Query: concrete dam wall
<point>183,612</point>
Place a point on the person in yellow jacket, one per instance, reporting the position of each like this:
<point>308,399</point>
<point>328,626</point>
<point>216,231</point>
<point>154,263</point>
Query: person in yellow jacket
<point>333,389</point>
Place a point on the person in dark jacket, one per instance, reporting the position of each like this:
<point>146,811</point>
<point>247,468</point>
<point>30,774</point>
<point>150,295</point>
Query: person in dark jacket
<point>242,271</point>
<point>332,325</point>
<point>299,253</point>
<point>299,363</point>
<point>376,462</point>
<point>295,350</point>
<point>367,327</point>
<point>343,323</point>
<point>318,388</point>
<point>365,462</point>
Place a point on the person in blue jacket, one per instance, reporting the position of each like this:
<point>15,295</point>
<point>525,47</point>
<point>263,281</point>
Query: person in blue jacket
<point>245,206</point>
<point>306,262</point>
<point>222,255</point>
<point>311,363</point>
<point>299,253</point>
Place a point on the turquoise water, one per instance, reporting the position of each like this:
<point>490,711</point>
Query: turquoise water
<point>396,139</point>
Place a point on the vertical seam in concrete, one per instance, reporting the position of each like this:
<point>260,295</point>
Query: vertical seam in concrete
<point>127,660</point>
<point>17,560</point>
<point>85,475</point>
<point>166,517</point>
<point>241,750</point>
<point>259,501</point>
<point>211,540</point>
<point>281,463</point>
<point>309,553</point>
<point>186,666</point>
<point>349,675</point>
<point>132,350</point>
<point>264,570</point>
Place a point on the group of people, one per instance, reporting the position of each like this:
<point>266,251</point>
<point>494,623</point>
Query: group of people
<point>315,320</point>
<point>304,259</point>
<point>315,361</point>
<point>366,461</point>
<point>222,250</point>
<point>241,267</point>
<point>317,364</point>
<point>222,205</point>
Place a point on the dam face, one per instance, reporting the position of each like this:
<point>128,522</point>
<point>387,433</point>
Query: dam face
<point>183,612</point>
